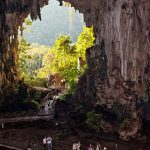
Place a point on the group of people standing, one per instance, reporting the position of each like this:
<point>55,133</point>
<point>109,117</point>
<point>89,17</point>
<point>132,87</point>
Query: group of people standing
<point>47,143</point>
<point>98,147</point>
<point>77,146</point>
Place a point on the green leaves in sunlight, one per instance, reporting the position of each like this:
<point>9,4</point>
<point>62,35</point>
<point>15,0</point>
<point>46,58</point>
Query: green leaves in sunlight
<point>65,58</point>
<point>84,41</point>
<point>30,60</point>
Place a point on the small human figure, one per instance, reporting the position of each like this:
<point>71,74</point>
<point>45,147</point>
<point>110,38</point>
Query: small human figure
<point>78,145</point>
<point>2,124</point>
<point>49,143</point>
<point>90,147</point>
<point>49,138</point>
<point>74,147</point>
<point>105,148</point>
<point>50,104</point>
<point>98,146</point>
<point>46,108</point>
<point>116,146</point>
<point>44,143</point>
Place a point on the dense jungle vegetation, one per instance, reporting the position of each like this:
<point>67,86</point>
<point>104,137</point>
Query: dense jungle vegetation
<point>62,63</point>
<point>52,52</point>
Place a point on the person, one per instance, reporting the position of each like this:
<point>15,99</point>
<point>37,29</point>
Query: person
<point>50,104</point>
<point>49,143</point>
<point>105,148</point>
<point>44,143</point>
<point>49,138</point>
<point>2,124</point>
<point>98,146</point>
<point>78,145</point>
<point>74,147</point>
<point>116,146</point>
<point>90,147</point>
<point>46,108</point>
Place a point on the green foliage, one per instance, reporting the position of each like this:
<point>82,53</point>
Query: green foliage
<point>33,105</point>
<point>93,120</point>
<point>65,97</point>
<point>33,80</point>
<point>84,41</point>
<point>23,57</point>
<point>30,60</point>
<point>71,87</point>
<point>63,57</point>
<point>27,25</point>
<point>60,59</point>
<point>28,22</point>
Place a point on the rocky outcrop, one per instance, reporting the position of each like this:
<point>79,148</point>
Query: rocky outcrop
<point>12,15</point>
<point>118,77</point>
<point>119,65</point>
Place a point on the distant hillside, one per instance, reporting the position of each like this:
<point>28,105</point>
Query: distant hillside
<point>56,20</point>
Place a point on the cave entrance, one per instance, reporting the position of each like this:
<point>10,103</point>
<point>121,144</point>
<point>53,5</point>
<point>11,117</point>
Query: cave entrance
<point>52,51</point>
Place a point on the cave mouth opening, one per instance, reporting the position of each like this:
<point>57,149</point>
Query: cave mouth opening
<point>52,52</point>
<point>22,89</point>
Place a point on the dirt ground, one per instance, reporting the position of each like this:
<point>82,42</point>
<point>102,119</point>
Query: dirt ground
<point>64,138</point>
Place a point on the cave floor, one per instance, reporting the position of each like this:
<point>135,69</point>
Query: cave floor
<point>64,138</point>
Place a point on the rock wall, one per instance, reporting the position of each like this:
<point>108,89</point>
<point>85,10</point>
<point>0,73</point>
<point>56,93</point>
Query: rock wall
<point>119,65</point>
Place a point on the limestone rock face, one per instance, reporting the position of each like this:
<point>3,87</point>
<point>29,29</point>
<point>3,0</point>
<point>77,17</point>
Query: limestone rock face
<point>119,65</point>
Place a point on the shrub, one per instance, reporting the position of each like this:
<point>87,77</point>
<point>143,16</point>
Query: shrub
<point>93,120</point>
<point>34,81</point>
<point>33,105</point>
<point>65,97</point>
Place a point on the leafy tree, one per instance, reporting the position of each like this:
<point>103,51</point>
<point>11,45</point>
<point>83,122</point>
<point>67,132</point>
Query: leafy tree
<point>93,120</point>
<point>23,57</point>
<point>63,58</point>
<point>30,60</point>
<point>84,41</point>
